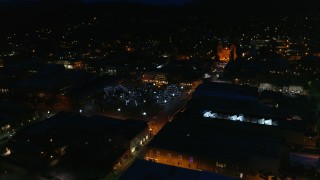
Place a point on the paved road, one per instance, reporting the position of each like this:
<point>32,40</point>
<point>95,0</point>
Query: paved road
<point>117,174</point>
<point>156,123</point>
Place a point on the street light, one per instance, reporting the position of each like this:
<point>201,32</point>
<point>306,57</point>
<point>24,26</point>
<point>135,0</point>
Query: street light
<point>144,113</point>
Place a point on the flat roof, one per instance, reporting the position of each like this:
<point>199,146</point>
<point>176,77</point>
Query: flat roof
<point>70,125</point>
<point>52,82</point>
<point>226,90</point>
<point>227,141</point>
<point>89,142</point>
<point>238,99</point>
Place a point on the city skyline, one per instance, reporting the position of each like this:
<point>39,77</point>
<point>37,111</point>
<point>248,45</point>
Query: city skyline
<point>159,90</point>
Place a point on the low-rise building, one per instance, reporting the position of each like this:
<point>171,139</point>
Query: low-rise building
<point>86,147</point>
<point>225,147</point>
<point>142,169</point>
<point>232,130</point>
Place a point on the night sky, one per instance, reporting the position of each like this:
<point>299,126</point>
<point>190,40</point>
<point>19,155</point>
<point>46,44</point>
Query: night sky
<point>160,2</point>
<point>225,5</point>
<point>156,2</point>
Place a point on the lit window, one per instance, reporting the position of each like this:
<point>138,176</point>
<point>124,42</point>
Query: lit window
<point>233,118</point>
<point>268,122</point>
<point>240,117</point>
<point>180,157</point>
<point>169,155</point>
<point>261,121</point>
<point>220,165</point>
<point>158,153</point>
<point>209,114</point>
<point>191,159</point>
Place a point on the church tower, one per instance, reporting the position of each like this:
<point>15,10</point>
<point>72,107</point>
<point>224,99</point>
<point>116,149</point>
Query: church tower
<point>227,53</point>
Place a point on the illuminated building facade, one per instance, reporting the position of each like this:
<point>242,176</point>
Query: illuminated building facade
<point>4,90</point>
<point>158,79</point>
<point>142,169</point>
<point>71,64</point>
<point>227,53</point>
<point>183,160</point>
<point>292,89</point>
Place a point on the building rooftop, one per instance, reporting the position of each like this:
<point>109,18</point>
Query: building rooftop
<point>67,127</point>
<point>15,111</point>
<point>232,142</point>
<point>227,91</point>
<point>73,143</point>
<point>52,82</point>
<point>230,99</point>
